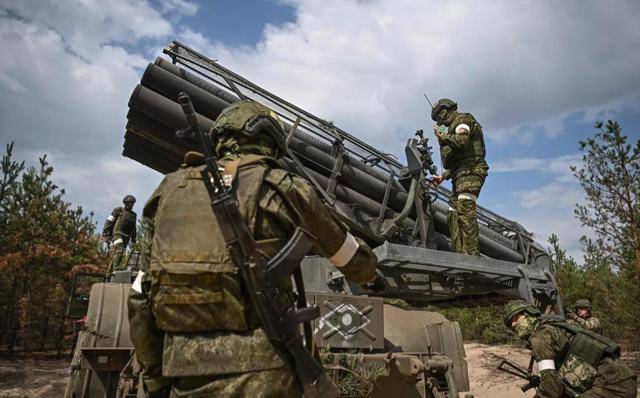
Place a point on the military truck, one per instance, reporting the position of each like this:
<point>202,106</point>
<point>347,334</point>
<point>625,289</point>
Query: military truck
<point>392,206</point>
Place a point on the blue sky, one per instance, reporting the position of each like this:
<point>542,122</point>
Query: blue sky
<point>535,74</point>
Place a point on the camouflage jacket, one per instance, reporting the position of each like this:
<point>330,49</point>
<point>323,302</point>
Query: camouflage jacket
<point>590,323</point>
<point>121,223</point>
<point>562,374</point>
<point>463,152</point>
<point>204,325</point>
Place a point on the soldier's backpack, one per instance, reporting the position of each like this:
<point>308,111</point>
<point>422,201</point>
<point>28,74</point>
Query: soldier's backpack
<point>578,363</point>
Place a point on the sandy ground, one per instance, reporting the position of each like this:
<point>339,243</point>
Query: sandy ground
<point>488,382</point>
<point>46,377</point>
<point>38,377</point>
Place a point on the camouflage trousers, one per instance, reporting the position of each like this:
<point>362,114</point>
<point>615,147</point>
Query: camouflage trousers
<point>118,248</point>
<point>272,383</point>
<point>462,216</point>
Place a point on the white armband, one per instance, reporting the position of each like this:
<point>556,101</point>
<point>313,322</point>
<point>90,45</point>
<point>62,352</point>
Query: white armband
<point>546,364</point>
<point>463,128</point>
<point>346,252</point>
<point>111,218</point>
<point>467,196</point>
<point>137,284</point>
<point>118,241</point>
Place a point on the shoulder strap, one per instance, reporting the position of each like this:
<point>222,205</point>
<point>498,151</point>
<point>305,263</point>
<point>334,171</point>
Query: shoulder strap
<point>610,347</point>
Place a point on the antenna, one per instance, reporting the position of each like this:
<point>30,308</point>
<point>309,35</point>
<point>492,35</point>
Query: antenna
<point>430,104</point>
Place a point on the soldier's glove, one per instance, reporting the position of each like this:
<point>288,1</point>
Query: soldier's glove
<point>534,382</point>
<point>377,285</point>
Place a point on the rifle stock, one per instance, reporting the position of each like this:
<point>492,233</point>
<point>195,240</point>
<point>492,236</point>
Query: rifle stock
<point>514,369</point>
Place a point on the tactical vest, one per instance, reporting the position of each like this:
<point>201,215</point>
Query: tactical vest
<point>125,223</point>
<point>475,149</point>
<point>578,363</point>
<point>195,285</point>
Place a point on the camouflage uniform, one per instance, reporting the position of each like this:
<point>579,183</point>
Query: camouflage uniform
<point>573,362</point>
<point>191,323</point>
<point>589,322</point>
<point>463,152</point>
<point>120,229</point>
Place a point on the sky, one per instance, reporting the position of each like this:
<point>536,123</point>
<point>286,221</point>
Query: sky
<point>536,75</point>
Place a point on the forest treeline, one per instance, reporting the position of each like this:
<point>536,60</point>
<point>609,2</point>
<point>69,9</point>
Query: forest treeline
<point>44,239</point>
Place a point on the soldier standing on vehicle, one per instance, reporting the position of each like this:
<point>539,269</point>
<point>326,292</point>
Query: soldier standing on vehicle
<point>463,158</point>
<point>193,327</point>
<point>119,230</point>
<point>572,361</point>
<point>581,315</point>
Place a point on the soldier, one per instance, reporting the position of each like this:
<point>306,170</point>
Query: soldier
<point>191,323</point>
<point>581,315</point>
<point>572,361</point>
<point>463,158</point>
<point>120,229</point>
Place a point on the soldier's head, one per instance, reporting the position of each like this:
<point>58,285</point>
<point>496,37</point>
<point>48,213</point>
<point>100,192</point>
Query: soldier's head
<point>582,308</point>
<point>443,111</point>
<point>129,201</point>
<point>248,127</point>
<point>521,317</point>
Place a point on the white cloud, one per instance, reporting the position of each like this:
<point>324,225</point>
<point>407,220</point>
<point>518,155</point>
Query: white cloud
<point>557,165</point>
<point>511,63</point>
<point>555,194</point>
<point>182,7</point>
<point>68,70</point>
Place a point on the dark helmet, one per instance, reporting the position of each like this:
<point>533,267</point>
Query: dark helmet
<point>582,303</point>
<point>515,307</point>
<point>129,199</point>
<point>441,104</point>
<point>248,118</point>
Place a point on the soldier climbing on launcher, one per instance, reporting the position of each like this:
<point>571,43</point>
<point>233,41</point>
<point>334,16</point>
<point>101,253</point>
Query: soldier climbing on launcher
<point>193,326</point>
<point>120,229</point>
<point>573,362</point>
<point>463,158</point>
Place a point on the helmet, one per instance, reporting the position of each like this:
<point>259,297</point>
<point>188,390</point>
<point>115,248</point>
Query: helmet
<point>582,303</point>
<point>441,104</point>
<point>129,199</point>
<point>515,307</point>
<point>247,119</point>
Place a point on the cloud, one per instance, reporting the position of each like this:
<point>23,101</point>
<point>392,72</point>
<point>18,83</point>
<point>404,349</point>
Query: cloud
<point>557,165</point>
<point>182,7</point>
<point>69,69</point>
<point>511,63</point>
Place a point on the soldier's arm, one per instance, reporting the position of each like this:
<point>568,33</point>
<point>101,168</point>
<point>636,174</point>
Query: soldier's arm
<point>108,224</point>
<point>545,346</point>
<point>334,241</point>
<point>593,324</point>
<point>459,137</point>
<point>145,335</point>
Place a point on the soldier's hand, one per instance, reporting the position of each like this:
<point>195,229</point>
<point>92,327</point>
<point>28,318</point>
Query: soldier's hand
<point>105,238</point>
<point>437,180</point>
<point>436,132</point>
<point>377,285</point>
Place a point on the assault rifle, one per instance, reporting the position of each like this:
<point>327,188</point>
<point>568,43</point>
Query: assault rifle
<point>512,368</point>
<point>263,279</point>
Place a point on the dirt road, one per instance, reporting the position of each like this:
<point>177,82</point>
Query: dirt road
<point>37,377</point>
<point>46,377</point>
<point>486,381</point>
